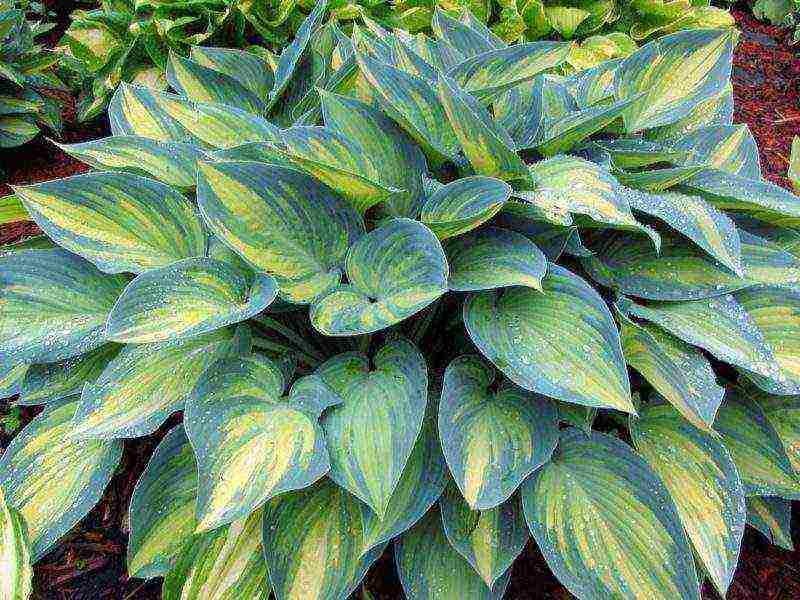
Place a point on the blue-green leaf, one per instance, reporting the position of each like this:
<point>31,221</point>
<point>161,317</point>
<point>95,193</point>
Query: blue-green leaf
<point>16,577</point>
<point>463,205</point>
<point>773,518</point>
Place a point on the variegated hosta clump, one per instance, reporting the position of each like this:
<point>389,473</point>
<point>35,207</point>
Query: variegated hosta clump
<point>395,295</point>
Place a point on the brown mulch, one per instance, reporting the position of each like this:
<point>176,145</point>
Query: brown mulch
<point>90,562</point>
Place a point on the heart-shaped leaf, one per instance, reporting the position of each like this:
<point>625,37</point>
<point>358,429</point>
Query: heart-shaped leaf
<point>463,205</point>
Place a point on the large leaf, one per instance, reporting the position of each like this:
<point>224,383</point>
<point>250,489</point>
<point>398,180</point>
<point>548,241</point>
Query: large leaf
<point>55,305</point>
<point>492,440</point>
<point>731,148</point>
<point>145,384</point>
<point>281,221</point>
<point>371,435</point>
<point>15,554</point>
<point>772,517</point>
<point>562,343</point>
<point>463,205</point>
<point>247,68</point>
<point>118,221</point>
<point>704,484</point>
<point>186,299</point>
<point>431,569</point>
<point>490,540</point>
<point>597,508</point>
<point>227,564</point>
<point>250,444</point>
<point>394,272</point>
<point>162,519</point>
<point>44,452</point>
<point>313,544</point>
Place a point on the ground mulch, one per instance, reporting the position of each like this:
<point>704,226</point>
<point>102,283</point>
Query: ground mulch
<point>89,563</point>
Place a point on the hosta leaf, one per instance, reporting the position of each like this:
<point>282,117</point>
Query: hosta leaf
<point>394,272</point>
<point>226,564</point>
<point>431,569</point>
<point>783,413</point>
<point>488,147</point>
<point>695,218</point>
<point>492,440</point>
<point>11,377</point>
<point>494,258</point>
<point>487,75</point>
<point>422,482</point>
<point>172,163</point>
<point>675,71</point>
<point>730,148</point>
<point>597,508</point>
<point>249,446</point>
<point>169,118</point>
<point>44,452</point>
<point>461,35</point>
<point>633,153</point>
<point>145,384</point>
<point>186,299</point>
<point>658,180</point>
<point>794,165</point>
<point>15,554</point>
<point>756,449</point>
<point>702,480</point>
<point>394,159</point>
<point>313,543</point>
<point>264,152</point>
<point>254,375</point>
<point>202,84</point>
<point>719,325</point>
<point>118,221</point>
<point>371,435</point>
<point>281,221</point>
<point>48,382</point>
<point>12,210</point>
<point>676,370</point>
<point>55,305</point>
<point>772,517</point>
<point>162,520</point>
<point>562,343</point>
<point>247,68</point>
<point>463,205</point>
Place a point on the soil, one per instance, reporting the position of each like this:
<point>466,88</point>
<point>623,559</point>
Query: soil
<point>89,563</point>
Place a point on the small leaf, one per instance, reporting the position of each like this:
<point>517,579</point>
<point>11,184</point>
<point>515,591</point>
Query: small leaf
<point>463,205</point>
<point>16,576</point>
<point>772,517</point>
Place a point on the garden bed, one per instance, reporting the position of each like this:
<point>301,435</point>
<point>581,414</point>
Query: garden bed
<point>90,562</point>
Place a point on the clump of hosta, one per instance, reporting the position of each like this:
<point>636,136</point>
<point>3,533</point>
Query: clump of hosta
<point>395,287</point>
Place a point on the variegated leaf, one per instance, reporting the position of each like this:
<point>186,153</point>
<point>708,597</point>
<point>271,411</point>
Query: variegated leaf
<point>466,34</point>
<point>598,508</point>
<point>492,440</point>
<point>11,378</point>
<point>703,482</point>
<point>562,342</point>
<point>43,453</point>
<point>281,221</point>
<point>394,272</point>
<point>247,68</point>
<point>634,153</point>
<point>463,205</point>
<point>313,544</point>
<point>783,413</point>
<point>122,223</point>
<point>12,210</point>
<point>658,180</point>
<point>16,576</point>
<point>730,148</point>
<point>490,540</point>
<point>772,517</point>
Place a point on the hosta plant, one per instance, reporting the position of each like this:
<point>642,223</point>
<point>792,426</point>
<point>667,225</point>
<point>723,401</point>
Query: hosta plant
<point>25,69</point>
<point>421,292</point>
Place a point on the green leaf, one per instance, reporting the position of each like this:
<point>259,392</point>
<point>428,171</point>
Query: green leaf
<point>675,369</point>
<point>492,440</point>
<point>772,517</point>
<point>172,163</point>
<point>118,221</point>
<point>731,148</point>
<point>251,444</point>
<point>783,413</point>
<point>463,205</point>
<point>658,180</point>
<point>634,153</point>
<point>394,272</point>
<point>11,378</point>
<point>12,210</point>
<point>282,221</point>
<point>186,299</point>
<point>247,68</point>
<point>674,71</point>
<point>145,384</point>
<point>490,540</point>
<point>313,544</point>
<point>703,482</point>
<point>756,449</point>
<point>494,258</point>
<point>161,518</point>
<point>226,564</point>
<point>55,305</point>
<point>45,452</point>
<point>562,342</point>
<point>371,435</point>
<point>597,508</point>
<point>166,117</point>
<point>15,554</point>
<point>48,382</point>
<point>488,147</point>
<point>466,34</point>
<point>431,569</point>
